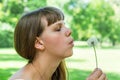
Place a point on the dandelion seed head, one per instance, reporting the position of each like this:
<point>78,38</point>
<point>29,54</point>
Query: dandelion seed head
<point>92,41</point>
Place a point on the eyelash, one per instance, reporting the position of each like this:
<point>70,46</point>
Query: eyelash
<point>59,28</point>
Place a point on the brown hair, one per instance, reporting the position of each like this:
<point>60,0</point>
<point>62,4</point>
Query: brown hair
<point>29,27</point>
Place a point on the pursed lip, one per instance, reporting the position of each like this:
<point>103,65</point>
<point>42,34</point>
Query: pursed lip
<point>71,42</point>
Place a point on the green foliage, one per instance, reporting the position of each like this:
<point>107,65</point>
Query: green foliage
<point>0,1</point>
<point>6,36</point>
<point>10,12</point>
<point>6,39</point>
<point>16,8</point>
<point>114,34</point>
<point>86,17</point>
<point>12,20</point>
<point>94,17</point>
<point>104,13</point>
<point>32,5</point>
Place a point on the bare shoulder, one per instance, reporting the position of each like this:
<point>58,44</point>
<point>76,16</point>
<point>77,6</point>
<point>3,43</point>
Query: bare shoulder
<point>21,74</point>
<point>17,75</point>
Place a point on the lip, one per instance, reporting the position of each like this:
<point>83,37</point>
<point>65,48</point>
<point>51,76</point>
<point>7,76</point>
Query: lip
<point>71,42</point>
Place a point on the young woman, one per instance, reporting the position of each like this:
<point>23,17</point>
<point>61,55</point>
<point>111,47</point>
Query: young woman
<point>42,38</point>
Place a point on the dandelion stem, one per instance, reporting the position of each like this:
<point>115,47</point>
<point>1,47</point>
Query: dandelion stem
<point>95,56</point>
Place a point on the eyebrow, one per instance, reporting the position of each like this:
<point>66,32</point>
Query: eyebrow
<point>56,23</point>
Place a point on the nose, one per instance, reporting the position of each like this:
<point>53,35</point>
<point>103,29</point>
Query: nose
<point>68,32</point>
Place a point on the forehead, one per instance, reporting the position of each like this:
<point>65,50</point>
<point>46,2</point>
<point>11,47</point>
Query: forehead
<point>45,22</point>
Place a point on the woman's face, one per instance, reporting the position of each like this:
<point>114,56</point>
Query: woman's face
<point>57,40</point>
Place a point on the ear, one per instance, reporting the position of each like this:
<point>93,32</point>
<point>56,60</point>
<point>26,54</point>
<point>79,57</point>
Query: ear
<point>39,44</point>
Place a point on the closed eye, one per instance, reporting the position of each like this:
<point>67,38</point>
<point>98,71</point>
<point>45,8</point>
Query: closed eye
<point>58,28</point>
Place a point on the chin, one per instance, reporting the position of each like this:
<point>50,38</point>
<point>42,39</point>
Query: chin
<point>69,54</point>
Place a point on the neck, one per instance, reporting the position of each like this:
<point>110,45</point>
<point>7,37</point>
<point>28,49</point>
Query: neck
<point>45,66</point>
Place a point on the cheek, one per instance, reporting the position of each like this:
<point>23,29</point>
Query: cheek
<point>58,47</point>
<point>54,42</point>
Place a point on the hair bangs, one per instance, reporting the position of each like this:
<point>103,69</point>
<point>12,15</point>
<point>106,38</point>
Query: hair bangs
<point>52,15</point>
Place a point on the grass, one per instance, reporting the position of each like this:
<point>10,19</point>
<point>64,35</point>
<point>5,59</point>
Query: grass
<point>80,65</point>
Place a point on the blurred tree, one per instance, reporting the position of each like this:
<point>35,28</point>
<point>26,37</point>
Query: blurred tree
<point>16,8</point>
<point>90,18</point>
<point>6,35</point>
<point>13,9</point>
<point>10,11</point>
<point>34,4</point>
<point>104,18</point>
<point>114,35</point>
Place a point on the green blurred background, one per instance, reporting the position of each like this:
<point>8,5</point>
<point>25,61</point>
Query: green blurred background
<point>86,18</point>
